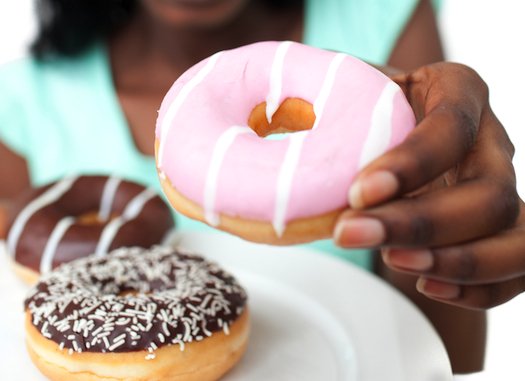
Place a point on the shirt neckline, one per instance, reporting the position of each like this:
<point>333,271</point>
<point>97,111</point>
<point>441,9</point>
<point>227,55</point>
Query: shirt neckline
<point>118,116</point>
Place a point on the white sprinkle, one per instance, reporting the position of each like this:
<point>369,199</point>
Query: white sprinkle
<point>150,356</point>
<point>76,347</point>
<point>205,330</point>
<point>120,337</point>
<point>116,345</point>
<point>165,329</point>
<point>192,307</point>
<point>187,332</point>
<point>205,301</point>
<point>44,327</point>
<point>89,292</point>
<point>97,331</point>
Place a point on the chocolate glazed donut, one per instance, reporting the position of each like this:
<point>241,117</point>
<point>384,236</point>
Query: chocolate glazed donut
<point>137,314</point>
<point>79,216</point>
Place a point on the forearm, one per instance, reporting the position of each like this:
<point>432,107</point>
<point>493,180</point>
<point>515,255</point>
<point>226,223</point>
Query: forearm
<point>14,173</point>
<point>3,219</point>
<point>420,42</point>
<point>14,177</point>
<point>463,331</point>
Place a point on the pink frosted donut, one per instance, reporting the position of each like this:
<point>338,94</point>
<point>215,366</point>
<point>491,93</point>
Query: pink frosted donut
<point>215,168</point>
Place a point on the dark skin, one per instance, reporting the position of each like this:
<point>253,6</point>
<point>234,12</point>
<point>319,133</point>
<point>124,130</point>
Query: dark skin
<point>170,55</point>
<point>471,149</point>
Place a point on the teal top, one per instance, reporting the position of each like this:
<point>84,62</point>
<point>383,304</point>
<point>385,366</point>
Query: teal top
<point>64,116</point>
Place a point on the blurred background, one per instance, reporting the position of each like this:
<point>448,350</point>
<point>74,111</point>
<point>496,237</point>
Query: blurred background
<point>486,35</point>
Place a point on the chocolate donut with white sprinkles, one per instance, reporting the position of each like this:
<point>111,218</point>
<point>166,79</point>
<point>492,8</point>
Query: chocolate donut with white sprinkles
<point>137,314</point>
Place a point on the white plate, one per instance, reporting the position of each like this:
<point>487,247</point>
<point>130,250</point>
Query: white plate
<point>314,318</point>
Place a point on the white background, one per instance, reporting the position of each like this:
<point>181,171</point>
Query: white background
<point>487,35</point>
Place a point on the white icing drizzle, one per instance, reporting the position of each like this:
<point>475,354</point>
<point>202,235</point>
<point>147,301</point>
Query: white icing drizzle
<point>284,181</point>
<point>46,262</point>
<point>48,197</point>
<point>132,210</point>
<point>174,107</point>
<point>276,80</point>
<point>326,89</point>
<point>378,136</point>
<point>219,152</point>
<point>108,195</point>
<point>293,154</point>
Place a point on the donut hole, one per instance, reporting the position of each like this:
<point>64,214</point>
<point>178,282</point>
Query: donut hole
<point>131,292</point>
<point>293,115</point>
<point>92,219</point>
<point>128,293</point>
<point>149,287</point>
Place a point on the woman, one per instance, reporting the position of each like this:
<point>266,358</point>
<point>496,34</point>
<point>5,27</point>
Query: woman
<point>101,68</point>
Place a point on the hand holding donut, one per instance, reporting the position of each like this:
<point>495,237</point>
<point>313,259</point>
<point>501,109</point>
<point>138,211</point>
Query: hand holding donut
<point>333,112</point>
<point>443,204</point>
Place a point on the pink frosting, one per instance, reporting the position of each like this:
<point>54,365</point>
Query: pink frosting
<point>362,105</point>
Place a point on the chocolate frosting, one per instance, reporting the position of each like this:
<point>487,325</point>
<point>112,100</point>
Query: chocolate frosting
<point>133,300</point>
<point>85,195</point>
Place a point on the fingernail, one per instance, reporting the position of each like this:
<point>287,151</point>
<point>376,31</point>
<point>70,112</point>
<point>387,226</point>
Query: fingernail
<point>416,260</point>
<point>359,232</point>
<point>438,290</point>
<point>372,189</point>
